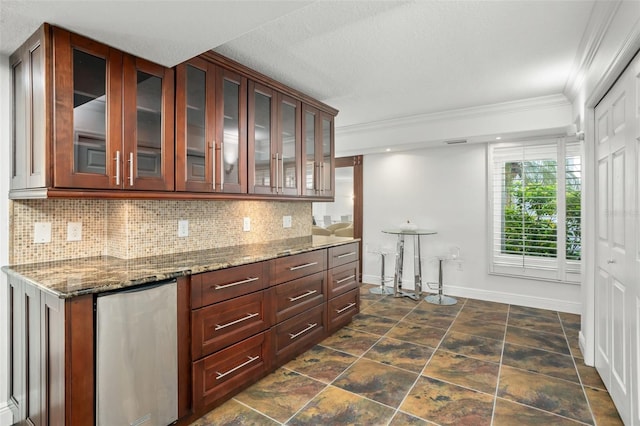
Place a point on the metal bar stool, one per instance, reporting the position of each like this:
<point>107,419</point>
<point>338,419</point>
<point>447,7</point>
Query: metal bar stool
<point>384,290</point>
<point>439,298</point>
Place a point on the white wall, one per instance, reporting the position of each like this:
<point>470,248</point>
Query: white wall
<point>5,414</point>
<point>445,189</point>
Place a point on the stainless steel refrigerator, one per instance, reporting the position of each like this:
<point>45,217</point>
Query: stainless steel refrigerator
<point>136,357</point>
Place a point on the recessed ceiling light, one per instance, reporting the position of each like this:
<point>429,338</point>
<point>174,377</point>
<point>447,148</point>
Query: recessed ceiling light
<point>388,149</point>
<point>498,138</point>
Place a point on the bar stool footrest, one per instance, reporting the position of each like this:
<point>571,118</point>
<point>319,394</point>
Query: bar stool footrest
<point>440,299</point>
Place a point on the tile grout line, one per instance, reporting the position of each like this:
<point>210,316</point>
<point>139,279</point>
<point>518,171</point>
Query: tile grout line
<point>504,339</point>
<point>573,359</point>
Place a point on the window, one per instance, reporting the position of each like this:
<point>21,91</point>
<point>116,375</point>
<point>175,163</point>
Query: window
<point>535,216</point>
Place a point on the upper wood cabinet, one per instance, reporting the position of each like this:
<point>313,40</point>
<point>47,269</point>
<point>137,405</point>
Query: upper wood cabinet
<point>91,120</point>
<point>211,128</point>
<point>113,118</point>
<point>318,159</point>
<point>274,142</point>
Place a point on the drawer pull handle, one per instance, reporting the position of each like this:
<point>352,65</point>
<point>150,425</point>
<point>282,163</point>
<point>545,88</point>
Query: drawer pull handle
<point>349,306</point>
<point>293,336</point>
<point>306,265</point>
<point>244,318</point>
<point>248,280</point>
<point>302,296</point>
<point>247,362</point>
<point>350,277</point>
<point>352,253</point>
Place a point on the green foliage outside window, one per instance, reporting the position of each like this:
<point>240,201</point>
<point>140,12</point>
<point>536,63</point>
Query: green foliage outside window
<point>530,211</point>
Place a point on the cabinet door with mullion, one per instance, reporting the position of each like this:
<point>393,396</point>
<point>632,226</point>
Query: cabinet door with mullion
<point>327,157</point>
<point>261,135</point>
<point>310,174</point>
<point>148,125</point>
<point>88,112</point>
<point>231,125</point>
<point>195,126</point>
<point>289,145</point>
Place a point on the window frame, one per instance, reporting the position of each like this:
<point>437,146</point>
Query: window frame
<point>556,269</point>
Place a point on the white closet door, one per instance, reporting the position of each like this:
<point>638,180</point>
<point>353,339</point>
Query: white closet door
<point>617,280</point>
<point>635,263</point>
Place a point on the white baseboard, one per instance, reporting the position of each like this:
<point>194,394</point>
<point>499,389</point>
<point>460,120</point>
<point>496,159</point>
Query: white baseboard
<point>6,416</point>
<point>582,341</point>
<point>497,296</point>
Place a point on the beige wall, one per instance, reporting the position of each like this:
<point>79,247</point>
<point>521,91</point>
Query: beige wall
<point>129,229</point>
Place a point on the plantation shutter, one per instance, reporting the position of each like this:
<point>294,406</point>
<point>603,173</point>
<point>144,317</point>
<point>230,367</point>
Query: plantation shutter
<point>530,235</point>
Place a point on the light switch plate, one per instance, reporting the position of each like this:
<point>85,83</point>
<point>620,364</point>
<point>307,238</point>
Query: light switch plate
<point>74,231</point>
<point>286,221</point>
<point>183,228</point>
<point>42,232</point>
<point>246,224</point>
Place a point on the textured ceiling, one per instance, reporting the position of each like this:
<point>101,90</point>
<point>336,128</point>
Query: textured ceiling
<point>372,60</point>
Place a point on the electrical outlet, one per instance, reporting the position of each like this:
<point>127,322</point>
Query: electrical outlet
<point>183,228</point>
<point>74,231</point>
<point>286,221</point>
<point>42,232</point>
<point>246,224</point>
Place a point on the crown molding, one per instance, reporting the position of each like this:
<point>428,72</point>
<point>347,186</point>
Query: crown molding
<point>542,102</point>
<point>600,19</point>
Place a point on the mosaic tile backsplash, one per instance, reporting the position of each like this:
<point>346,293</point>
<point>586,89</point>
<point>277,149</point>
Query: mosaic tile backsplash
<point>136,228</point>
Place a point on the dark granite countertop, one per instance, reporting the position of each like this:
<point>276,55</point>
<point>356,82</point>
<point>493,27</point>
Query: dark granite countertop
<point>76,277</point>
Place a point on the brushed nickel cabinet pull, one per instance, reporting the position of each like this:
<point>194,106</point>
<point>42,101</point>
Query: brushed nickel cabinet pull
<point>221,166</point>
<point>248,280</point>
<point>349,306</point>
<point>131,169</point>
<point>237,367</point>
<point>293,336</point>
<point>346,255</point>
<point>350,277</point>
<point>229,324</point>
<point>117,160</point>
<point>302,296</point>
<point>306,265</point>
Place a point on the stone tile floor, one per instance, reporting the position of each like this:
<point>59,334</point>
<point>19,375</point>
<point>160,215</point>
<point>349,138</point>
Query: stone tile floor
<point>402,362</point>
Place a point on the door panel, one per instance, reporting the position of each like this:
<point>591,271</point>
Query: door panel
<point>617,290</point>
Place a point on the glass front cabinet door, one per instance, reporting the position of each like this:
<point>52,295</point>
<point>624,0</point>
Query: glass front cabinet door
<point>274,142</point>
<point>318,155</point>
<point>210,128</point>
<point>113,118</point>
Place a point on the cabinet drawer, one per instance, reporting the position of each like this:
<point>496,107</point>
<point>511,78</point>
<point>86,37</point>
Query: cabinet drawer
<point>341,309</point>
<point>342,278</point>
<point>294,297</point>
<point>297,334</point>
<point>218,375</point>
<point>299,265</point>
<point>216,286</point>
<point>222,324</point>
<point>346,253</point>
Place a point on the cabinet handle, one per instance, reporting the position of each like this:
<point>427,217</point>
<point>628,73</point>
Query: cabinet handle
<point>349,306</point>
<point>248,280</point>
<point>221,166</point>
<point>293,336</point>
<point>277,178</point>
<point>131,169</point>
<point>237,367</point>
<point>212,145</point>
<point>306,265</point>
<point>346,255</point>
<point>610,261</point>
<point>244,318</point>
<point>117,159</point>
<point>281,173</point>
<point>302,296</point>
<point>316,171</point>
<point>350,277</point>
